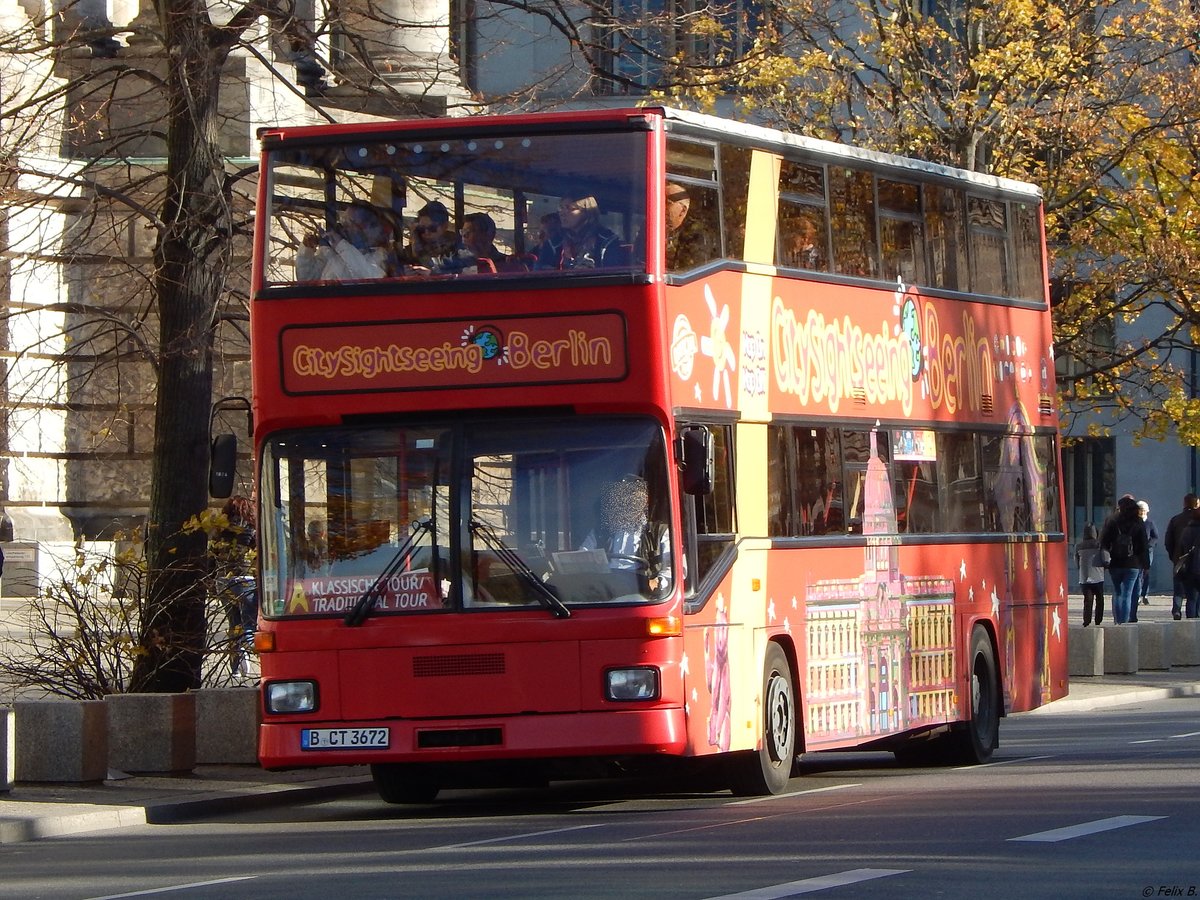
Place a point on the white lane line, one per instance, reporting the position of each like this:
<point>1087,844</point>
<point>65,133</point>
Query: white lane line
<point>1147,741</point>
<point>178,887</point>
<point>516,837</point>
<point>1074,831</point>
<point>809,885</point>
<point>820,790</point>
<point>1189,734</point>
<point>1002,762</point>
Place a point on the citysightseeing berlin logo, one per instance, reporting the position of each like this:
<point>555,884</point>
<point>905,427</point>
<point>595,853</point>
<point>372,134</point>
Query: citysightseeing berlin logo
<point>489,340</point>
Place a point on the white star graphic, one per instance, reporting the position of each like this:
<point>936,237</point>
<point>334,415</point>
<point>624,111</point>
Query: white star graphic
<point>1062,591</point>
<point>771,610</point>
<point>995,604</point>
<point>683,666</point>
<point>695,695</point>
<point>971,594</point>
<point>795,603</point>
<point>787,626</point>
<point>1057,628</point>
<point>962,571</point>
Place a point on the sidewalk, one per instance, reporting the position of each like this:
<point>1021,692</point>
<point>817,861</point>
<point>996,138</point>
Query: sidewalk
<point>35,811</point>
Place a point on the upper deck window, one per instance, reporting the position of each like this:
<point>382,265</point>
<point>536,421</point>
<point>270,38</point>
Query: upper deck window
<point>450,206</point>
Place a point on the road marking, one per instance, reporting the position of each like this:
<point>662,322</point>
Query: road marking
<point>809,885</point>
<point>1074,831</point>
<point>1189,734</point>
<point>820,790</point>
<point>1002,762</point>
<point>516,837</point>
<point>178,887</point>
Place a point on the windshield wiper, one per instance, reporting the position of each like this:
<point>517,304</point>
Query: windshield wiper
<point>513,560</point>
<point>362,608</point>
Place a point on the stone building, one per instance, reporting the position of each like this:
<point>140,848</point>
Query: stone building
<point>81,162</point>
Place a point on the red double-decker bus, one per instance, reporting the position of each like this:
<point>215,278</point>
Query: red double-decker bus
<point>621,436</point>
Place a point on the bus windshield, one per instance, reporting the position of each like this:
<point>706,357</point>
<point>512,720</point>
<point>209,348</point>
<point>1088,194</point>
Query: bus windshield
<point>544,514</point>
<point>441,206</point>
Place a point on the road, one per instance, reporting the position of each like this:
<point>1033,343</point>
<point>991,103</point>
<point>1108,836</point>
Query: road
<point>1085,804</point>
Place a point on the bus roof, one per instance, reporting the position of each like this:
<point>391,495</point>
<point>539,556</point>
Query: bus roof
<point>738,132</point>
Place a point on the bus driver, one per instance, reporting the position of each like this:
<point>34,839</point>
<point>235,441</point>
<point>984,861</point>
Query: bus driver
<point>633,542</point>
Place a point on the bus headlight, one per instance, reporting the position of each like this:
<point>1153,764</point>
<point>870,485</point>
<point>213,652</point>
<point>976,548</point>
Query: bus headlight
<point>638,683</point>
<point>291,696</point>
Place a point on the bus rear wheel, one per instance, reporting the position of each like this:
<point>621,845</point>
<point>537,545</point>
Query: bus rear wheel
<point>398,783</point>
<point>975,742</point>
<point>768,769</point>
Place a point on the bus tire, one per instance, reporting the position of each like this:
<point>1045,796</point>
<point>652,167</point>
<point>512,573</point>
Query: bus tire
<point>767,770</point>
<point>974,743</point>
<point>398,783</point>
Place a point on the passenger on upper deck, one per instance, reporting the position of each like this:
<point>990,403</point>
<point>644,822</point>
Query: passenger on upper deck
<point>360,246</point>
<point>548,252</point>
<point>479,240</point>
<point>688,239</point>
<point>588,244</point>
<point>433,240</point>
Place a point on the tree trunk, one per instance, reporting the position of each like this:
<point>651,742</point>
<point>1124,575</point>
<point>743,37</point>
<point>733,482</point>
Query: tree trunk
<point>190,270</point>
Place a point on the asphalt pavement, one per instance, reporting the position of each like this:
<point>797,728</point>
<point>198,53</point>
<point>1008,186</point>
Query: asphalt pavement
<point>38,811</point>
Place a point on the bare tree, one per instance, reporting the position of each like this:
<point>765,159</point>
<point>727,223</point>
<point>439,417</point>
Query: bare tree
<point>116,141</point>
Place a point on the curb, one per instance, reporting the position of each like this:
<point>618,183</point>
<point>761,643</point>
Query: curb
<point>168,812</point>
<point>32,828</point>
<point>1122,698</point>
<point>80,818</point>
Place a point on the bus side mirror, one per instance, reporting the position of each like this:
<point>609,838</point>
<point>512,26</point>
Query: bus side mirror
<point>696,460</point>
<point>222,464</point>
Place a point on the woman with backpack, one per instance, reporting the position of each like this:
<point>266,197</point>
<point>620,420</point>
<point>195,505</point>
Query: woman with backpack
<point>1124,537</point>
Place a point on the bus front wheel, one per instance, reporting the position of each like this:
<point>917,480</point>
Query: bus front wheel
<point>398,783</point>
<point>768,769</point>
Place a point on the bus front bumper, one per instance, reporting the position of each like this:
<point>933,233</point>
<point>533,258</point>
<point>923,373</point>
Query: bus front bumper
<point>617,733</point>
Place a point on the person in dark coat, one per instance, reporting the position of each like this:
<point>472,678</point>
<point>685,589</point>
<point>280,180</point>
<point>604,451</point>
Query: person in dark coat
<point>1091,574</point>
<point>1124,537</point>
<point>1171,536</point>
<point>1188,551</point>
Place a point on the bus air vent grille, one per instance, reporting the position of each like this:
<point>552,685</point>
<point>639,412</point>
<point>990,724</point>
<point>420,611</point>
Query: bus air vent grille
<point>986,405</point>
<point>459,664</point>
<point>460,737</point>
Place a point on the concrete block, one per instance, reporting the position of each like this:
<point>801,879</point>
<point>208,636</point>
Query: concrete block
<point>152,732</point>
<point>1185,642</point>
<point>8,750</point>
<point>1153,652</point>
<point>61,740</point>
<point>1085,651</point>
<point>227,721</point>
<point>1120,649</point>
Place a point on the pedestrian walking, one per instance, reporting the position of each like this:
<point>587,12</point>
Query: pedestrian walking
<point>1143,585</point>
<point>1189,564</point>
<point>1124,537</point>
<point>1171,536</point>
<point>1089,559</point>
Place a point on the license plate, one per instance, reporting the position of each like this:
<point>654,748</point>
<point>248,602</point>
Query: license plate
<point>344,738</point>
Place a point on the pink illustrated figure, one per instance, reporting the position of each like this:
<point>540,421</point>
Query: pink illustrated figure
<point>716,677</point>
